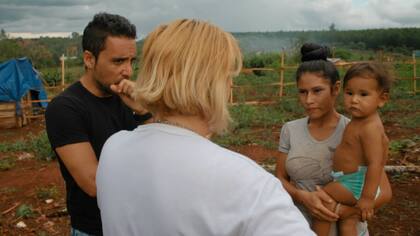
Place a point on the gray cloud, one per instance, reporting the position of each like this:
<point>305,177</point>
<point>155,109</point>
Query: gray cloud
<point>406,13</point>
<point>231,15</point>
<point>47,2</point>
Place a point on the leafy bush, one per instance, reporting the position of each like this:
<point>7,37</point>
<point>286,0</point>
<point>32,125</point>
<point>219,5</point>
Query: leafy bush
<point>39,145</point>
<point>343,54</point>
<point>261,60</point>
<point>13,147</point>
<point>25,211</point>
<point>401,145</point>
<point>53,78</point>
<point>6,164</point>
<point>44,193</point>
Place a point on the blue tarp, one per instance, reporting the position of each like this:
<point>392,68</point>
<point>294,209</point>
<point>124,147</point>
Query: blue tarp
<point>17,78</point>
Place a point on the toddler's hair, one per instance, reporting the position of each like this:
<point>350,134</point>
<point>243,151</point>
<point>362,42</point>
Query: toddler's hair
<point>372,70</point>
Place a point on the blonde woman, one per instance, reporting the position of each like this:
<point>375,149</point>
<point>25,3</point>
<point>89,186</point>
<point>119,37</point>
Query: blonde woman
<point>167,177</point>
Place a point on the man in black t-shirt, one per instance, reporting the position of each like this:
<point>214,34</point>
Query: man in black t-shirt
<point>87,113</point>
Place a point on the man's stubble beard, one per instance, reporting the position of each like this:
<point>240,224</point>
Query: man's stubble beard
<point>105,89</point>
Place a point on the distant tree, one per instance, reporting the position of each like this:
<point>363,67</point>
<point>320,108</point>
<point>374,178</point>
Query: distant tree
<point>3,34</point>
<point>75,35</point>
<point>332,27</point>
<point>40,54</point>
<point>10,49</point>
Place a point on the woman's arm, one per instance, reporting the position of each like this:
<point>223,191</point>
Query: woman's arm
<point>313,201</point>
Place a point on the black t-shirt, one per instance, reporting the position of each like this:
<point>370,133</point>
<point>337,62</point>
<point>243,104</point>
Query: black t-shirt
<point>77,116</point>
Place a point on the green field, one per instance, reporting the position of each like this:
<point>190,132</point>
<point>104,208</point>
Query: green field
<point>260,124</point>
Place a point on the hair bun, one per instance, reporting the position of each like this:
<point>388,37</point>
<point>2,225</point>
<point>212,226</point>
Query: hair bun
<point>312,52</point>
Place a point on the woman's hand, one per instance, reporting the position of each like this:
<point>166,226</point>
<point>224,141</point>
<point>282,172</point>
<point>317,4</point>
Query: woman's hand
<point>315,203</point>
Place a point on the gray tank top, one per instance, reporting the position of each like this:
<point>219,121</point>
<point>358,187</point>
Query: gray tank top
<point>309,161</point>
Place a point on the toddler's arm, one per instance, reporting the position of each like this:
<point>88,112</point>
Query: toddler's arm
<point>374,157</point>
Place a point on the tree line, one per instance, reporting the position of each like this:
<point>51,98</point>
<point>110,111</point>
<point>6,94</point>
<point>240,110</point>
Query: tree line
<point>43,52</point>
<point>401,40</point>
<point>46,52</point>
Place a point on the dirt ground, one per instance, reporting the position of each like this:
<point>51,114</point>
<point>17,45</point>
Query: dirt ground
<point>23,184</point>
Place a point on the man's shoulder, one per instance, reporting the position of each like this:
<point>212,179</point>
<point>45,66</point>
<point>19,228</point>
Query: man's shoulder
<point>72,93</point>
<point>71,99</point>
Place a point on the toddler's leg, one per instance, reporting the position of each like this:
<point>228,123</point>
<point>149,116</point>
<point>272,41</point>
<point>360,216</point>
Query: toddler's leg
<point>347,227</point>
<point>339,194</point>
<point>320,227</point>
<point>345,211</point>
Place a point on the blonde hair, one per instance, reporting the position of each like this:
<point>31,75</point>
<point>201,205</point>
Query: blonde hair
<point>186,68</point>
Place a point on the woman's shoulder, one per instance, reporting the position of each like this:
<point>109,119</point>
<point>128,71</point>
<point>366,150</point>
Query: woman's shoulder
<point>298,122</point>
<point>344,119</point>
<point>297,125</point>
<point>244,166</point>
<point>117,139</point>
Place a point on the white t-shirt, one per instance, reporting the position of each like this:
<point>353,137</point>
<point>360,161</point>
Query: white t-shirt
<point>165,180</point>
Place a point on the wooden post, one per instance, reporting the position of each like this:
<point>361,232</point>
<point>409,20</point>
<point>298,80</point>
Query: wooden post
<point>231,93</point>
<point>17,118</point>
<point>27,108</point>
<point>281,73</point>
<point>62,72</point>
<point>380,55</point>
<point>414,73</point>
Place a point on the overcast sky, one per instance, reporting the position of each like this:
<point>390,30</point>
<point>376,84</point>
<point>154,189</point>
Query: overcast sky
<point>232,15</point>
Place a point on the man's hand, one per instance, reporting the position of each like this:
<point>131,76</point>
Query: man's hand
<point>366,206</point>
<point>125,89</point>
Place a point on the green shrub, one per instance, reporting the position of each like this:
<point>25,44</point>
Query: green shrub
<point>44,193</point>
<point>25,211</point>
<point>6,164</point>
<point>41,147</point>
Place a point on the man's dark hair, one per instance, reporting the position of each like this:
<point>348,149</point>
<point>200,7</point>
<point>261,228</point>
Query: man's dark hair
<point>102,26</point>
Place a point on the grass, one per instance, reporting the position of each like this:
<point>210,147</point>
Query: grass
<point>401,177</point>
<point>52,75</point>
<point>44,193</point>
<point>233,139</point>
<point>403,145</point>
<point>246,137</point>
<point>40,145</point>
<point>37,144</point>
<point>250,120</point>
<point>25,211</point>
<point>7,163</point>
<point>8,190</point>
<point>255,124</point>
<point>13,147</point>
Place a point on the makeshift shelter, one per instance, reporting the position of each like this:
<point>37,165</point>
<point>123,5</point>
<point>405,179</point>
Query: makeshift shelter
<point>21,92</point>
